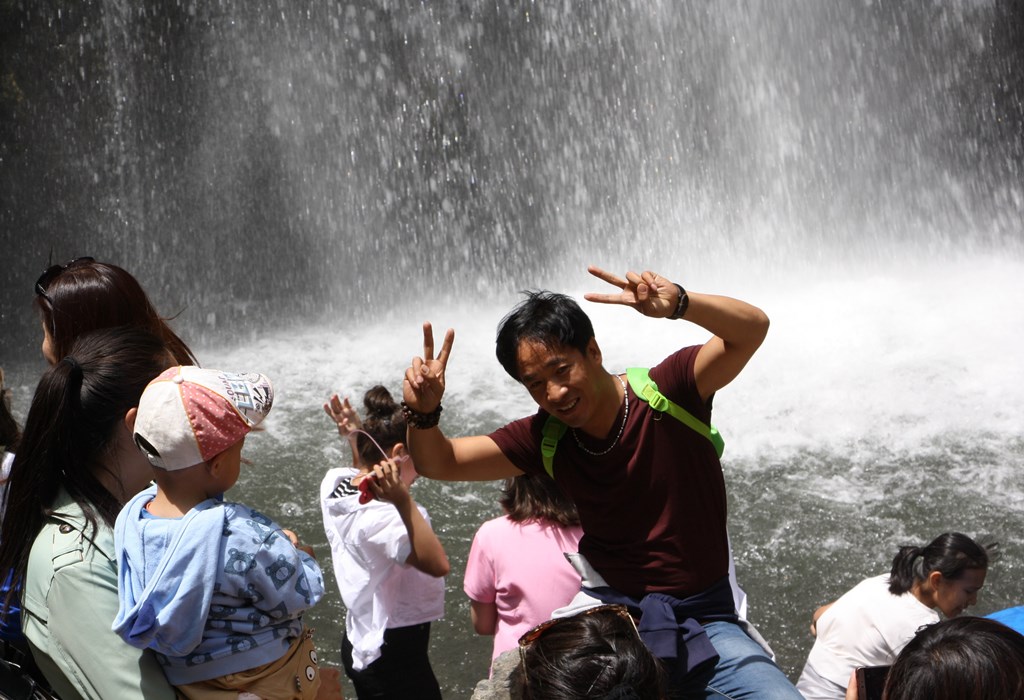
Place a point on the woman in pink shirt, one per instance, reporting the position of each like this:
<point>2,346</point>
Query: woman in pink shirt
<point>517,573</point>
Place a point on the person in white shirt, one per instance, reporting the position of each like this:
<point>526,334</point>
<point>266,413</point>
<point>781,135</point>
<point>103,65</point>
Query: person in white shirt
<point>389,564</point>
<point>871,623</point>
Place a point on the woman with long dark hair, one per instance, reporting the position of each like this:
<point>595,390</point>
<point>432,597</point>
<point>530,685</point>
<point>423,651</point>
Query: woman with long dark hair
<point>871,623</point>
<point>85,295</point>
<point>75,467</point>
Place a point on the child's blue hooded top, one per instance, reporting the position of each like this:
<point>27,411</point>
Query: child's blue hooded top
<point>218,591</point>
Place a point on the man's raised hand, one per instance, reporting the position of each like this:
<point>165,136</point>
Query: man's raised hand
<point>423,386</point>
<point>647,292</point>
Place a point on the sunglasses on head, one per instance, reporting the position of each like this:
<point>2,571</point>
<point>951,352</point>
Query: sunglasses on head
<point>54,271</point>
<point>537,632</point>
<point>528,639</point>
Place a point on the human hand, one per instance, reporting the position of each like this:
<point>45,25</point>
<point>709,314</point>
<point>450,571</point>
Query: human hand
<point>647,292</point>
<point>343,415</point>
<point>294,539</point>
<point>423,386</point>
<point>386,484</point>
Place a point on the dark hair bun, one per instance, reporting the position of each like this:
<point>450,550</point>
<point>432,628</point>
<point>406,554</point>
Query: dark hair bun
<point>378,402</point>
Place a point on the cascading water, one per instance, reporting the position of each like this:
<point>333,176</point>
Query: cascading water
<point>312,182</point>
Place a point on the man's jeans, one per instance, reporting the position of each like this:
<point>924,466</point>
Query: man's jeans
<point>744,670</point>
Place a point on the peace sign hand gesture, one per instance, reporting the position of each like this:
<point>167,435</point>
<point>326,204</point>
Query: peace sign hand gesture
<point>647,292</point>
<point>424,380</point>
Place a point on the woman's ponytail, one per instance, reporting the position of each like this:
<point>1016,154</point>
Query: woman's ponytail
<point>951,554</point>
<point>903,574</point>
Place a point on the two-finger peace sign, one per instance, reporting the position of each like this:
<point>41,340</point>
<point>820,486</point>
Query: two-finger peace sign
<point>647,292</point>
<point>424,380</point>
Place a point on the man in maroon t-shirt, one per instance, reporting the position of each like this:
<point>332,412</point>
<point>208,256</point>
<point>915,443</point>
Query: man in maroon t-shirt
<point>649,489</point>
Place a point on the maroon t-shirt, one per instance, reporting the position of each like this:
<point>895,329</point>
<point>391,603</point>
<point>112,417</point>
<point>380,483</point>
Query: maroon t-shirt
<point>653,509</point>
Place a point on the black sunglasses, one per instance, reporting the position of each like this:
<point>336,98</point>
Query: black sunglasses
<point>52,272</point>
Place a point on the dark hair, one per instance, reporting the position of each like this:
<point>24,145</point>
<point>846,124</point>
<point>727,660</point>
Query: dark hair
<point>10,433</point>
<point>383,420</point>
<point>546,317</point>
<point>89,295</point>
<point>75,411</point>
<point>951,554</point>
<point>963,658</point>
<point>589,655</point>
<point>533,497</point>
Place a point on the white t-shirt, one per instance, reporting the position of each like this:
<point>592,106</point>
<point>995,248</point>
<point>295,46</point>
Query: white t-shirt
<point>369,546</point>
<point>867,626</point>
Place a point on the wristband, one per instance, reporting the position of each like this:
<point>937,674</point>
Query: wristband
<point>682,304</point>
<point>421,421</point>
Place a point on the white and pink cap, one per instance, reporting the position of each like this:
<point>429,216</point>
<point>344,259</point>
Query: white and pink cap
<point>188,415</point>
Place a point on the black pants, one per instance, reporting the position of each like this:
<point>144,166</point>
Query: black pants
<point>403,670</point>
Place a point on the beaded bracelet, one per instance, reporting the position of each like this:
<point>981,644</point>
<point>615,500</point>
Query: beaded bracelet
<point>682,304</point>
<point>421,421</point>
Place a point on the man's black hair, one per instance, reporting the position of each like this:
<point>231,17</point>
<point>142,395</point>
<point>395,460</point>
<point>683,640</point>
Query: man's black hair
<point>546,317</point>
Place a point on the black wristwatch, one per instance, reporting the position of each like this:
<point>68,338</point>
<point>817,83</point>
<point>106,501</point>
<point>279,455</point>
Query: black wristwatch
<point>682,304</point>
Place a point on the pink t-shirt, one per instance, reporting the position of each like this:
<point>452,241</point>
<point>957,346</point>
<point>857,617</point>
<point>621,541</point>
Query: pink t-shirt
<point>520,567</point>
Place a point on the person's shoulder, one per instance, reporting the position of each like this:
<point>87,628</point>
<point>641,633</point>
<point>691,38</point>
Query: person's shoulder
<point>333,478</point>
<point>678,364</point>
<point>495,526</point>
<point>234,511</point>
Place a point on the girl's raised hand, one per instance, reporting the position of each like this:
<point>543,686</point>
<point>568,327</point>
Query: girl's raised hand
<point>387,484</point>
<point>343,415</point>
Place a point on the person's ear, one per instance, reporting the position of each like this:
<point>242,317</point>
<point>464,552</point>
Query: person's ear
<point>129,419</point>
<point>213,464</point>
<point>594,351</point>
<point>934,579</point>
<point>398,450</point>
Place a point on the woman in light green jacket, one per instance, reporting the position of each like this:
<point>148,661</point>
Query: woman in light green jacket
<point>75,468</point>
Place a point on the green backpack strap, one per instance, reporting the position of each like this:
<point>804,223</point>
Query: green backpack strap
<point>645,388</point>
<point>553,431</point>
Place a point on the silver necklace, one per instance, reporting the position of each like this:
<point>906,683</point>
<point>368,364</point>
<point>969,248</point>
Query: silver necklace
<point>625,415</point>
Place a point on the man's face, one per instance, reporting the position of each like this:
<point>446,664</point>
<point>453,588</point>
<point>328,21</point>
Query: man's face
<point>561,379</point>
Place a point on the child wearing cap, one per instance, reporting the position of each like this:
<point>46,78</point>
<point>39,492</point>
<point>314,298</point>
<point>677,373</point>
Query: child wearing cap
<point>215,588</point>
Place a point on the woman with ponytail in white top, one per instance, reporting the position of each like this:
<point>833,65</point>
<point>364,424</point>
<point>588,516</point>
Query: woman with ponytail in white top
<point>871,623</point>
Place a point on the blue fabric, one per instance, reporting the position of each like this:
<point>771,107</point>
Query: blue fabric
<point>669,626</point>
<point>1011,617</point>
<point>218,591</point>
<point>744,669</point>
<point>10,624</point>
<point>712,659</point>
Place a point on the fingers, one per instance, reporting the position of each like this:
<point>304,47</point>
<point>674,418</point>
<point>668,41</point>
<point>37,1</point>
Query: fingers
<point>639,284</point>
<point>387,479</point>
<point>428,341</point>
<point>428,346</point>
<point>446,348</point>
<point>609,277</point>
<point>336,409</point>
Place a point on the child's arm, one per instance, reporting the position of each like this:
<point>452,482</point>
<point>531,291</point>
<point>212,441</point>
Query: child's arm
<point>278,570</point>
<point>427,553</point>
<point>484,616</point>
